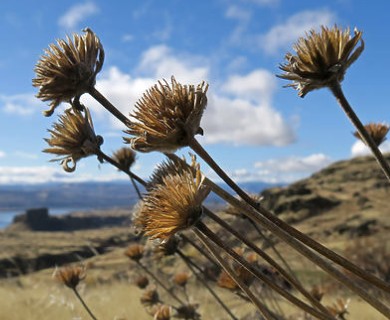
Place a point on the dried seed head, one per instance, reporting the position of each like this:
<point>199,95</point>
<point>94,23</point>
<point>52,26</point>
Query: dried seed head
<point>135,251</point>
<point>317,292</point>
<point>141,282</point>
<point>170,167</point>
<point>150,297</point>
<point>68,69</point>
<point>167,116</point>
<point>73,138</point>
<point>163,313</point>
<point>227,282</point>
<point>181,278</point>
<point>168,248</point>
<point>339,309</point>
<point>321,58</point>
<point>174,205</point>
<point>377,131</point>
<point>125,157</point>
<point>187,312</point>
<point>70,275</point>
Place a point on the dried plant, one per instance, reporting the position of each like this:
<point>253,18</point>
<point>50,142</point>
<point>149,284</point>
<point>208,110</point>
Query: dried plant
<point>70,276</point>
<point>141,282</point>
<point>150,297</point>
<point>173,206</point>
<point>135,251</point>
<point>187,311</point>
<point>68,69</point>
<point>339,309</point>
<point>73,138</point>
<point>181,278</point>
<point>321,58</point>
<point>167,116</point>
<point>163,313</point>
<point>226,281</point>
<point>377,131</point>
<point>125,157</point>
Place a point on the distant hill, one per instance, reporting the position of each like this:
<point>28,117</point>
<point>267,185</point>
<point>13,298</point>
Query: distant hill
<point>83,195</point>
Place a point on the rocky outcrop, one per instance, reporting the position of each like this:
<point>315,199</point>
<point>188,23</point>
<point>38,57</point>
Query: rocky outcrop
<point>38,219</point>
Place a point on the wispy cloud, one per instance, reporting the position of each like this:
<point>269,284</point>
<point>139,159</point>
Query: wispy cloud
<point>19,104</point>
<point>290,169</point>
<point>76,14</point>
<point>44,174</point>
<point>25,155</point>
<point>263,2</point>
<point>2,154</point>
<point>282,35</point>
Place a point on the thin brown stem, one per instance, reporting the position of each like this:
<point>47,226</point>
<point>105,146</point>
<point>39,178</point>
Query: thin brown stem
<point>108,105</point>
<point>259,275</point>
<point>292,280</point>
<point>294,243</point>
<point>190,264</point>
<point>84,304</point>
<point>136,188</point>
<point>159,282</point>
<point>278,226</point>
<point>367,139</point>
<point>199,248</point>
<point>111,161</point>
<point>260,306</point>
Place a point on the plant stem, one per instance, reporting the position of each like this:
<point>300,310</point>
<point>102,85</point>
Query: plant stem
<point>191,266</point>
<point>367,139</point>
<point>84,304</point>
<point>293,242</point>
<point>162,285</point>
<point>117,165</point>
<point>267,258</point>
<point>278,225</point>
<point>256,273</point>
<point>136,188</point>
<point>200,249</point>
<point>108,105</point>
<point>260,306</point>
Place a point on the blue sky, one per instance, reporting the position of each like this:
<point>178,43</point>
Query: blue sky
<point>253,127</point>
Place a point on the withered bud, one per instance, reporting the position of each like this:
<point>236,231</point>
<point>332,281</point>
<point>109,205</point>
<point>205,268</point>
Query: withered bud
<point>70,275</point>
<point>377,131</point>
<point>135,251</point>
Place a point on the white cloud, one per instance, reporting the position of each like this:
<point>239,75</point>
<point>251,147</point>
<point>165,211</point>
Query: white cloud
<point>127,37</point>
<point>43,174</point>
<point>291,168</point>
<point>283,35</point>
<point>2,154</point>
<point>161,62</point>
<point>19,104</point>
<point>25,155</point>
<point>360,149</point>
<point>77,13</point>
<point>239,111</point>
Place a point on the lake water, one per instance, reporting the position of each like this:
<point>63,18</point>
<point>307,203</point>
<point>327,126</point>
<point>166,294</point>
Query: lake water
<point>6,217</point>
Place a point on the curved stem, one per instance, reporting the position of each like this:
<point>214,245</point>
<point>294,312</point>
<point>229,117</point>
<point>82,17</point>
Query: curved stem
<point>192,267</point>
<point>136,188</point>
<point>267,258</point>
<point>84,304</point>
<point>256,273</point>
<point>162,285</point>
<point>367,139</point>
<point>200,249</point>
<point>260,306</point>
<point>108,105</point>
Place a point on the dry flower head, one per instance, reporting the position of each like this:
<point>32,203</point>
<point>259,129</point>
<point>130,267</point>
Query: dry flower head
<point>73,138</point>
<point>68,69</point>
<point>135,251</point>
<point>321,59</point>
<point>181,278</point>
<point>377,131</point>
<point>339,309</point>
<point>173,206</point>
<point>150,297</point>
<point>227,282</point>
<point>163,313</point>
<point>125,157</point>
<point>70,275</point>
<point>187,312</point>
<point>167,117</point>
<point>141,282</point>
